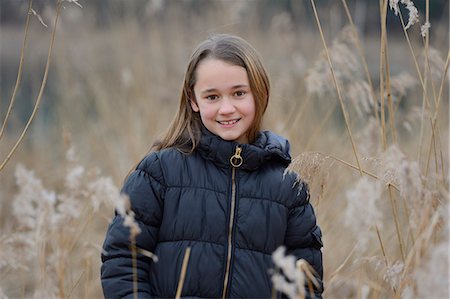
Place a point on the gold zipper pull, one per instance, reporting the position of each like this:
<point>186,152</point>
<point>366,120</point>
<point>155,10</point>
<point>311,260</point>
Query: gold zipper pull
<point>236,160</point>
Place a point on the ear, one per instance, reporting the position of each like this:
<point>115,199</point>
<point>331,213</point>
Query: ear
<point>194,105</point>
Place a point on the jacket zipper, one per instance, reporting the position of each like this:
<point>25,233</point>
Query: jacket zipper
<point>235,161</point>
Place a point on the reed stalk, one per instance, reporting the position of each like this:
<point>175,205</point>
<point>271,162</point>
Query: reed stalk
<point>391,110</point>
<point>383,41</point>
<point>183,272</point>
<point>41,90</point>
<point>134,265</point>
<point>424,92</point>
<point>356,168</point>
<point>435,119</point>
<point>383,251</point>
<point>20,69</point>
<point>315,134</point>
<point>341,101</point>
<point>396,221</point>
<point>364,60</point>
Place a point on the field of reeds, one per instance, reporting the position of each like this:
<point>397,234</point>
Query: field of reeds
<point>360,88</point>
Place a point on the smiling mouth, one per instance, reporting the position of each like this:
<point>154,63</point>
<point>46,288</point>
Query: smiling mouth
<point>229,122</point>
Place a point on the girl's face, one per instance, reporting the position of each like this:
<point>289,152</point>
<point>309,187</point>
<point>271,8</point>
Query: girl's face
<point>224,99</point>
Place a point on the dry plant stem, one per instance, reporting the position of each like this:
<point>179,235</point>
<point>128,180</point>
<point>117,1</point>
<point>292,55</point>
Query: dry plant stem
<point>426,102</point>
<point>435,118</point>
<point>19,71</point>
<point>442,158</point>
<point>441,88</point>
<point>422,117</point>
<point>75,285</point>
<point>363,58</point>
<point>355,167</point>
<point>183,272</point>
<point>436,158</point>
<point>344,112</point>
<point>88,277</point>
<point>61,267</point>
<point>41,238</point>
<point>317,129</point>
<point>383,251</point>
<point>389,95</point>
<point>427,46</point>
<point>427,70</point>
<point>294,115</point>
<point>416,64</point>
<point>341,266</point>
<point>430,148</point>
<point>427,40</point>
<point>88,211</point>
<point>41,90</point>
<point>134,264</point>
<point>274,293</point>
<point>383,8</point>
<point>396,220</point>
<point>359,278</point>
<point>427,228</point>
<point>410,232</point>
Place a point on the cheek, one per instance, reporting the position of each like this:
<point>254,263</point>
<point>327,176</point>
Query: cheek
<point>250,108</point>
<point>207,113</point>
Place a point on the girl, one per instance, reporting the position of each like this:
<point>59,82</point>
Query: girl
<point>217,184</point>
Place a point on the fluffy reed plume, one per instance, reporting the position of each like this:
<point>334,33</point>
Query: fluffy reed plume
<point>412,118</point>
<point>349,74</point>
<point>33,201</point>
<point>310,166</point>
<point>413,12</point>
<point>394,274</point>
<point>49,224</point>
<point>363,209</point>
<point>347,67</point>
<point>424,29</point>
<point>123,208</point>
<point>360,97</point>
<point>313,169</point>
<point>17,250</point>
<point>38,16</point>
<point>436,63</point>
<point>397,169</point>
<point>293,275</point>
<point>401,85</point>
<point>76,2</point>
<point>431,278</point>
<point>368,139</point>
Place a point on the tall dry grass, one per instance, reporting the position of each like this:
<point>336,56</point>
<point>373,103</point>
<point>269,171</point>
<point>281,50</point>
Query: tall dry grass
<point>375,154</point>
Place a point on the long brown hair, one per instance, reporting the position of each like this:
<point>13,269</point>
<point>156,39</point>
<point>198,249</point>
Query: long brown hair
<point>185,130</point>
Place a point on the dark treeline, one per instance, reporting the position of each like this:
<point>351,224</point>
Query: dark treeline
<point>107,12</point>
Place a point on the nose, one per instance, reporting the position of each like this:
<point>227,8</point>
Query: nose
<point>226,106</point>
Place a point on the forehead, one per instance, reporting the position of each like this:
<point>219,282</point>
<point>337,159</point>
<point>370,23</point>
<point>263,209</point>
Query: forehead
<point>215,73</point>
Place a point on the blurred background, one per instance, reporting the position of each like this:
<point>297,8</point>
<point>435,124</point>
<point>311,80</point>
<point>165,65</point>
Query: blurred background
<point>114,81</point>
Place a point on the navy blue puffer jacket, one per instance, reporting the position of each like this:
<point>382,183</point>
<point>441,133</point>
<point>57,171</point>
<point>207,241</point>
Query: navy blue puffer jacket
<point>232,218</point>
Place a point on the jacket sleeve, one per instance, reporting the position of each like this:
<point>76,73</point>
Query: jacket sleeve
<point>146,189</point>
<point>303,237</point>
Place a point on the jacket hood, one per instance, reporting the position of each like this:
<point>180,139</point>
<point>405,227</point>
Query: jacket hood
<point>267,147</point>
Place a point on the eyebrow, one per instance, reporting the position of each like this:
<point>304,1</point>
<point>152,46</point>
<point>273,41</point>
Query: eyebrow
<point>233,87</point>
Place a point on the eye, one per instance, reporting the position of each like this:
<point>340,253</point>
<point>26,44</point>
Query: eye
<point>239,93</point>
<point>212,97</point>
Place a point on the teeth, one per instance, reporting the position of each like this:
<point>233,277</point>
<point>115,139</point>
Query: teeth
<point>229,122</point>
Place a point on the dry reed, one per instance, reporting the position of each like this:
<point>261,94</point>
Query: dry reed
<point>385,231</point>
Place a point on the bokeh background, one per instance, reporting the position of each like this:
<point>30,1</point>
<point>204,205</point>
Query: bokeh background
<point>113,86</point>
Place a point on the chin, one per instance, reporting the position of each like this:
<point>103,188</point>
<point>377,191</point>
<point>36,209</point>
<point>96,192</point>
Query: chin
<point>228,137</point>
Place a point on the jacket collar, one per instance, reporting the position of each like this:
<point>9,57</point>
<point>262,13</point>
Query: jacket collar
<point>267,147</point>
